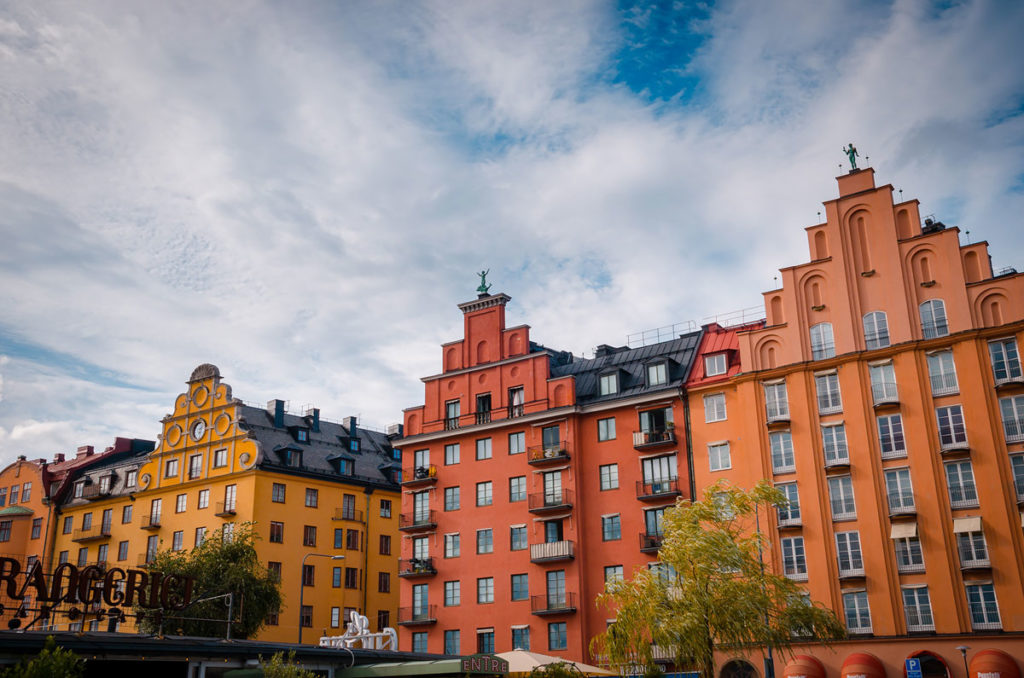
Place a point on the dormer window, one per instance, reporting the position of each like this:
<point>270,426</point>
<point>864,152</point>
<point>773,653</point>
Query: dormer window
<point>657,374</point>
<point>302,435</point>
<point>715,365</point>
<point>354,444</point>
<point>345,467</point>
<point>79,490</point>
<point>609,383</point>
<point>292,458</point>
<point>131,478</point>
<point>105,484</point>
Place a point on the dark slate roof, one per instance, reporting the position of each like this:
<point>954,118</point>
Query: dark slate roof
<point>115,464</point>
<point>373,463</point>
<point>631,364</point>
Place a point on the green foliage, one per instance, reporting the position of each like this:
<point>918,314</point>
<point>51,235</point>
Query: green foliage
<point>281,667</point>
<point>712,590</point>
<point>52,662</point>
<point>554,670</point>
<point>219,567</point>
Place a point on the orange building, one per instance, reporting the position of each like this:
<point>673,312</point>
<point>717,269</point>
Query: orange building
<point>531,477</point>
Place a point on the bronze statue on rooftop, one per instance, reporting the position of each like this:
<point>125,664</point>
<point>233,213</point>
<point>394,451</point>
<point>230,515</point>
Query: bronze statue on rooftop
<point>851,153</point>
<point>484,287</point>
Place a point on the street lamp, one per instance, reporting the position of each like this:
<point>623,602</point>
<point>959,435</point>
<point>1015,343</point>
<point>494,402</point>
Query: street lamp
<point>302,583</point>
<point>963,653</point>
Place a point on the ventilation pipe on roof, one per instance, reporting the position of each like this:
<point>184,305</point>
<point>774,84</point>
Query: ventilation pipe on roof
<point>276,409</point>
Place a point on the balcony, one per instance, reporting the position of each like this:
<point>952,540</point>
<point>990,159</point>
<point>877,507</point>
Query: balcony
<point>776,415</point>
<point>483,417</point>
<point>789,522</point>
<point>553,604</point>
<point>975,564</point>
<point>920,628</point>
<point>851,573</point>
<point>658,489</point>
<point>95,492</point>
<point>1010,381</point>
<point>909,568</point>
<point>417,521</point>
<point>865,630</point>
<point>904,508</point>
<point>895,453</point>
<point>987,626</point>
<point>543,502</point>
<point>796,576</point>
<point>953,446</point>
<point>540,455</point>
<point>552,551</point>
<point>150,522</point>
<point>827,406</point>
<point>451,423</point>
<point>225,509</point>
<point>884,394</point>
<point>839,462</point>
<point>417,616</point>
<point>944,384</point>
<point>643,440</point>
<point>1014,430</point>
<point>416,567</point>
<point>843,515</point>
<point>343,513</point>
<point>649,543</point>
<point>419,476</point>
<point>92,534</point>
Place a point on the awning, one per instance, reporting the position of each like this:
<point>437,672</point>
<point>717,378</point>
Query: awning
<point>993,664</point>
<point>862,665</point>
<point>804,666</point>
<point>972,524</point>
<point>903,530</point>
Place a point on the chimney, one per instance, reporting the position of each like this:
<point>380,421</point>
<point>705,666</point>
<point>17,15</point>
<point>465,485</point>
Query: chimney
<point>276,409</point>
<point>58,458</point>
<point>395,430</point>
<point>351,424</point>
<point>313,414</point>
<point>84,451</point>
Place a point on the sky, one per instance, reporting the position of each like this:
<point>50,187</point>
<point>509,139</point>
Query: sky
<point>302,192</point>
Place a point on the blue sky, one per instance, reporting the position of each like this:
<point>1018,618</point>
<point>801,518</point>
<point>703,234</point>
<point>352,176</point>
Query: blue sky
<point>302,192</point>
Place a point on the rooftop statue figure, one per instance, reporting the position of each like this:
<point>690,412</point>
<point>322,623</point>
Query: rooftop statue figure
<point>484,287</point>
<point>851,153</point>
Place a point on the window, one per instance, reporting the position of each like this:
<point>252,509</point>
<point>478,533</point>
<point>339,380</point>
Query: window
<point>718,456</point>
<point>351,578</point>
<point>227,532</point>
<point>776,402</point>
<point>909,556</point>
<point>972,549</point>
<point>485,541</point>
<point>1017,465</point>
<point>230,493</point>
<point>1012,411</point>
<point>606,429</point>
<point>220,458</point>
<point>833,439</point>
<point>339,538</point>
<point>933,319</point>
<point>858,615</point>
<point>883,383</point>
<point>981,600</point>
<point>483,408</point>
<point>876,330</point>
<point>942,373</point>
<point>452,593</point>
<point>5,530</point>
<point>451,642</point>
<point>517,443</point>
<point>309,535</point>
<point>613,573</point>
<point>558,639</point>
<point>336,577</point>
<point>178,540</point>
<point>384,582</point>
<point>195,466</point>
<point>131,478</point>
<point>483,449</point>
<point>715,365</point>
<point>180,503</point>
<point>609,476</point>
<point>122,550</point>
<point>890,437</point>
<point>451,454</point>
<point>79,490</point>
<point>419,641</point>
<point>484,493</point>
<point>385,545</point>
<point>899,491</point>
<point>335,614</point>
<point>517,488</point>
<point>306,616</point>
<point>848,553</point>
<point>170,468</point>
<point>822,345</point>
<point>520,587</point>
<point>312,497</point>
<point>520,637</point>
<point>1005,360</point>
<point>781,443</point>
<point>69,523</point>
<point>452,412</point>
<point>276,532</point>
<point>485,590</point>
<point>714,407</point>
<point>551,439</point>
<point>104,485</point>
<point>37,527</point>
<point>451,545</point>
<point>155,509</point>
<point>277,493</point>
<point>83,556</point>
<point>451,499</point>
<point>485,641</point>
<point>840,490</point>
<point>3,496</point>
<point>790,515</point>
<point>657,374</point>
<point>352,539</point>
<point>960,483</point>
<point>385,508</point>
<point>609,383</point>
<point>827,385</point>
<point>87,521</point>
<point>200,535</point>
<point>383,619</point>
<point>611,528</point>
<point>517,538</point>
<point>26,492</point>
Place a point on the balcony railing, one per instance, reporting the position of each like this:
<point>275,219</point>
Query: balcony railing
<point>657,489</point>
<point>544,454</point>
<point>418,520</point>
<point>895,453</point>
<point>838,460</point>
<point>797,576</point>
<point>650,542</point>
<point>654,438</point>
<point>843,515</point>
<point>963,502</point>
<point>859,630</point>
<point>92,534</point>
<point>975,564</point>
<point>419,475</point>
<point>918,628</point>
<point>416,567</point>
<point>986,626</point>
<point>150,522</point>
<point>789,521</point>
<point>552,551</point>
<point>550,501</point>
<point>564,603</point>
<point>777,413</point>
<point>1014,430</point>
<point>95,492</point>
<point>225,508</point>
<point>343,513</point>
<point>884,393</point>
<point>411,616</point>
<point>826,406</point>
<point>783,468</point>
<point>953,444</point>
<point>902,506</point>
<point>851,573</point>
<point>944,384</point>
<point>451,423</point>
<point>909,568</point>
<point>483,417</point>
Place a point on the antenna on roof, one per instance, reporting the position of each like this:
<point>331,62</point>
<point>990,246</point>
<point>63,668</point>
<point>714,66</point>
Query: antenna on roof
<point>775,281</point>
<point>968,234</point>
<point>901,195</point>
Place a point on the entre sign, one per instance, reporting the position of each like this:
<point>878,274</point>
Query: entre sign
<point>92,584</point>
<point>484,663</point>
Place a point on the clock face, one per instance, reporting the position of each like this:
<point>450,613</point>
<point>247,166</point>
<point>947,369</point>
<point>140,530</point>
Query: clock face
<point>198,429</point>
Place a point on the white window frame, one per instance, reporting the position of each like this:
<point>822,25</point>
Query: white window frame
<point>834,445</point>
<point>842,502</point>
<point>790,514</point>
<point>942,373</point>
<point>952,427</point>
<point>899,490</point>
<point>963,492</point>
<point>826,385</point>
<point>719,456</point>
<point>822,341</point>
<point>917,609</point>
<point>1004,356</point>
<point>716,364</point>
<point>1011,410</point>
<point>609,383</point>
<point>891,440</point>
<point>452,545</point>
<point>909,555</point>
<point>783,457</point>
<point>794,558</point>
<point>714,408</point>
<point>876,330</point>
<point>776,401</point>
<point>849,557</point>
<point>657,374</point>
<point>857,611</point>
<point>883,382</point>
<point>972,549</point>
<point>982,606</point>
<point>933,319</point>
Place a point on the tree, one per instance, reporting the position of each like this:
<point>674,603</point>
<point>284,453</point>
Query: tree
<point>218,566</point>
<point>711,589</point>
<point>52,662</point>
<point>280,666</point>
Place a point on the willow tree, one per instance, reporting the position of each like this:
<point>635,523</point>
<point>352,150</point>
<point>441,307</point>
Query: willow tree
<point>713,589</point>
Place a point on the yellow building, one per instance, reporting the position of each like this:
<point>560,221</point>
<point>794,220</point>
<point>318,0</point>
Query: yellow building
<point>323,498</point>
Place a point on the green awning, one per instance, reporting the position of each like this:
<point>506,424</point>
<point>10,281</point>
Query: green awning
<point>15,511</point>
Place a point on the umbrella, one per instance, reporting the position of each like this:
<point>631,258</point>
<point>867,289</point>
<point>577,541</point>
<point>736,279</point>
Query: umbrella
<point>521,661</point>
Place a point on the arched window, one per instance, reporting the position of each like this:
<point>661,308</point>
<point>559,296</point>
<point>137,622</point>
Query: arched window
<point>876,330</point>
<point>933,319</point>
<point>822,345</point>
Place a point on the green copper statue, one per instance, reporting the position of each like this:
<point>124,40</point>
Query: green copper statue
<point>484,287</point>
<point>851,153</point>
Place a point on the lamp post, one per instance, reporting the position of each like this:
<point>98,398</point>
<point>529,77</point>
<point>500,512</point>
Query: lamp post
<point>302,583</point>
<point>963,653</point>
